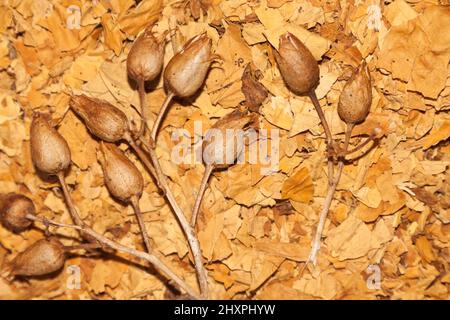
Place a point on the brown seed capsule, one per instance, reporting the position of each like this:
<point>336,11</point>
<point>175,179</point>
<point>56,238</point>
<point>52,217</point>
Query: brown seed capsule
<point>14,209</point>
<point>297,65</point>
<point>223,144</point>
<point>146,57</point>
<point>122,178</point>
<point>224,141</point>
<point>49,150</point>
<point>356,97</point>
<point>42,257</point>
<point>186,71</point>
<point>103,120</point>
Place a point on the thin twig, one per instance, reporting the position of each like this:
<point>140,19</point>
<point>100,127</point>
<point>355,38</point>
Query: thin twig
<point>327,203</point>
<point>46,222</point>
<point>151,258</point>
<point>159,118</point>
<point>84,246</point>
<point>188,231</point>
<point>328,136</point>
<point>137,210</point>
<point>141,90</point>
<point>322,118</point>
<point>198,201</point>
<point>141,155</point>
<point>70,205</point>
<point>360,146</point>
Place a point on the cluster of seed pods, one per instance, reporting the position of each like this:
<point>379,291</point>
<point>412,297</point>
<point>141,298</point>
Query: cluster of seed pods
<point>183,76</point>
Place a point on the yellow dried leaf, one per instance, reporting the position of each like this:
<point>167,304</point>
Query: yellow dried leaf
<point>325,286</point>
<point>305,117</point>
<point>298,186</point>
<point>350,240</point>
<point>275,26</point>
<point>425,249</point>
<point>399,12</point>
<point>278,111</point>
<point>424,68</point>
<point>263,267</point>
<point>81,143</point>
<point>441,131</point>
<point>112,33</point>
<point>146,12</point>
<point>371,197</point>
<point>292,251</point>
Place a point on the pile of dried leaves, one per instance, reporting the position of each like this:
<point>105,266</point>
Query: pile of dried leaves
<point>391,213</point>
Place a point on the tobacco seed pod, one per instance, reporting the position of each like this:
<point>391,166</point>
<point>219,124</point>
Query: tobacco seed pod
<point>42,257</point>
<point>103,120</point>
<point>186,71</point>
<point>146,57</point>
<point>50,152</point>
<point>14,209</point>
<point>122,178</point>
<point>297,65</point>
<point>356,97</point>
<point>220,148</point>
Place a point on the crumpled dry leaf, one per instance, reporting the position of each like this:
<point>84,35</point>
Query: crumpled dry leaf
<point>299,186</point>
<point>424,68</point>
<point>353,239</point>
<point>257,219</point>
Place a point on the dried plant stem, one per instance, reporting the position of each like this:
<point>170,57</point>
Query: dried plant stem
<point>141,91</point>
<point>360,146</point>
<point>188,231</point>
<point>70,205</point>
<point>201,191</point>
<point>141,155</point>
<point>159,118</point>
<point>322,118</point>
<point>151,258</point>
<point>46,222</point>
<point>84,246</point>
<point>328,136</point>
<point>140,219</point>
<point>327,203</point>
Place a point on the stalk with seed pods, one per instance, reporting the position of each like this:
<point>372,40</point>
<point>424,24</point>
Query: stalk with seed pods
<point>144,63</point>
<point>220,153</point>
<point>185,74</point>
<point>124,182</point>
<point>183,77</point>
<point>47,256</point>
<point>300,72</point>
<point>108,123</point>
<point>353,108</point>
<point>51,155</point>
